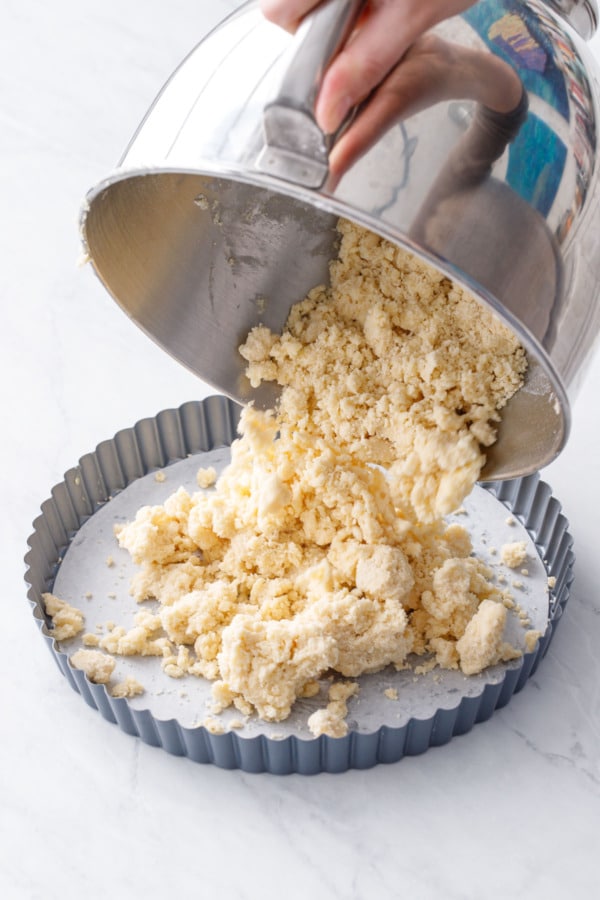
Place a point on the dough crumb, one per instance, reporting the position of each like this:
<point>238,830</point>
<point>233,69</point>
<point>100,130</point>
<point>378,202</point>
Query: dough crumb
<point>514,554</point>
<point>426,667</point>
<point>331,720</point>
<point>160,476</point>
<point>129,687</point>
<point>90,640</point>
<point>67,620</point>
<point>212,725</point>
<point>97,666</point>
<point>531,639</point>
<point>205,478</point>
<point>310,689</point>
<point>391,693</point>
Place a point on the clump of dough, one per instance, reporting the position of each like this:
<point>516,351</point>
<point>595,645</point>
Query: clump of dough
<point>482,643</point>
<point>514,554</point>
<point>129,687</point>
<point>332,719</point>
<point>67,620</point>
<point>206,477</point>
<point>97,666</point>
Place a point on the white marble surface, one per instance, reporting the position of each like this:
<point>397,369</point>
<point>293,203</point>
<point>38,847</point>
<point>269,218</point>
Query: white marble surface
<point>510,810</point>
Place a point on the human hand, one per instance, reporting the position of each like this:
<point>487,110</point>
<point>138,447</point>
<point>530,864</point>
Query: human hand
<point>433,70</point>
<point>384,33</point>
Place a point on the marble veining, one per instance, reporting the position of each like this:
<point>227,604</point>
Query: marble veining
<point>512,809</point>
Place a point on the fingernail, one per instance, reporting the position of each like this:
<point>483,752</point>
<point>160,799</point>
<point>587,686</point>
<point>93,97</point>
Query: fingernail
<point>330,117</point>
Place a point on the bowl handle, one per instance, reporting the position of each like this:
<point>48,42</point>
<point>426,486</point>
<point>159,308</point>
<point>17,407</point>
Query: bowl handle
<point>295,147</point>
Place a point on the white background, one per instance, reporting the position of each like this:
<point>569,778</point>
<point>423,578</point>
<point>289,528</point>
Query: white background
<point>510,810</point>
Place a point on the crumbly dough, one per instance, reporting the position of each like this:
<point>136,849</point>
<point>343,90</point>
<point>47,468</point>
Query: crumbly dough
<point>213,725</point>
<point>531,638</point>
<point>129,687</point>
<point>482,643</point>
<point>97,666</point>
<point>67,620</point>
<point>206,477</point>
<point>396,365</point>
<point>332,719</point>
<point>322,546</point>
<point>514,554</point>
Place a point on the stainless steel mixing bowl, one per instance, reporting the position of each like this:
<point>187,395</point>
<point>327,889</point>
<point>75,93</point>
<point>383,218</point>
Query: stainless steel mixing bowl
<point>203,232</point>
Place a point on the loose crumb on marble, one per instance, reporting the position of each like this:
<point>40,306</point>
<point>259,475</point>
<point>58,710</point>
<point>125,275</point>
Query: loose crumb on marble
<point>511,520</point>
<point>160,476</point>
<point>551,582</point>
<point>110,562</point>
<point>391,693</point>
